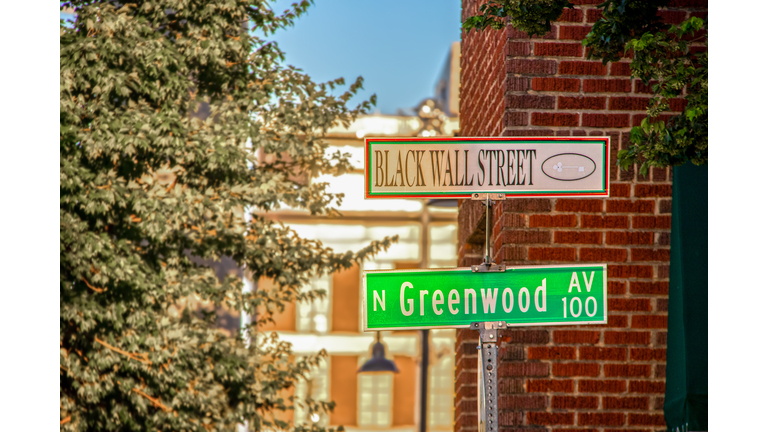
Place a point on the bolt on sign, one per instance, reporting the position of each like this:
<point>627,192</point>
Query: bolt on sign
<point>461,167</point>
<point>455,298</point>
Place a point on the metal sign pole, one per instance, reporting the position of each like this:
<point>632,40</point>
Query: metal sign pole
<point>487,370</point>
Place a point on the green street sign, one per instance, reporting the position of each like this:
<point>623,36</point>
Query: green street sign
<point>455,298</point>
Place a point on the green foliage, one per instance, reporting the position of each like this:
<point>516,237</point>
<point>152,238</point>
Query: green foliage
<point>665,60</point>
<point>531,16</point>
<point>622,21</point>
<point>148,180</point>
<point>660,56</point>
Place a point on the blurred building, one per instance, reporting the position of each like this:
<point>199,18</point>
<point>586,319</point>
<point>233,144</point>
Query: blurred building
<point>428,238</point>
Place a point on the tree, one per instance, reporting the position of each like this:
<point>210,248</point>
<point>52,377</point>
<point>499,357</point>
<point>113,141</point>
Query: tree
<point>662,58</point>
<point>147,182</point>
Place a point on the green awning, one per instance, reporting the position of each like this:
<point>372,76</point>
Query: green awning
<point>685,402</point>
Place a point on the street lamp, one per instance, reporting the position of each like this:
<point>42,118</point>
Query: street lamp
<point>378,361</point>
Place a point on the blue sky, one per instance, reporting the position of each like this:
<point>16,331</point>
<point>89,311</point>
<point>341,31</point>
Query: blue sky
<point>398,46</point>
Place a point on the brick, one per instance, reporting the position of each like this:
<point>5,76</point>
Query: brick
<point>661,370</point>
<point>607,86</point>
<point>510,352</point>
<point>617,321</point>
<point>570,15</point>
<point>649,321</point>
<point>593,221</point>
<point>523,237</point>
<point>603,419</point>
<point>653,190</point>
<point>510,253</point>
<point>519,205</point>
<point>627,338</point>
<point>648,354</point>
<point>573,32</point>
<point>658,403</point>
<point>578,237</point>
<point>552,254</point>
<point>636,419</point>
<point>507,385</point>
<point>551,353</point>
<point>530,102</point>
<point>628,238</point>
<point>629,305</point>
<point>602,386</point>
<point>548,221</point>
<point>528,132</point>
<point>581,102</point>
<point>662,304</point>
<point>646,387</point>
<point>582,68</point>
<point>652,222</point>
<point>663,271</point>
<point>659,174</point>
<point>548,385</point>
<point>531,67</point>
<point>575,337</point>
<point>599,353</point>
<point>665,206</point>
<point>576,369</point>
<point>574,402</point>
<point>620,69</point>
<point>586,2</point>
<point>518,48</point>
<point>630,271</point>
<point>523,369</point>
<point>555,84</point>
<point>649,287</point>
<point>620,190</point>
<point>527,402</point>
<point>602,254</point>
<point>650,255</point>
<point>643,88</point>
<point>627,370</point>
<point>623,103</point>
<point>579,205</point>
<point>545,418</point>
<point>594,15</point>
<point>519,84</point>
<point>554,119</point>
<point>616,287</point>
<point>511,220</point>
<point>664,239</point>
<point>515,118</point>
<point>509,418</point>
<point>522,336</point>
<point>605,120</point>
<point>661,338</point>
<point>625,403</point>
<point>629,206</point>
<point>557,49</point>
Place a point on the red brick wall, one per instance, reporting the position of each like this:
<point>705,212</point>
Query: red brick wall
<point>587,378</point>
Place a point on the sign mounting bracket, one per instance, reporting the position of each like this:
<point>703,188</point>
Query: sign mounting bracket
<point>488,266</point>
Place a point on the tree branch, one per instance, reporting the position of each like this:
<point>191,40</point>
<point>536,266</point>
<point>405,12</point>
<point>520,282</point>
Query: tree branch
<point>142,358</point>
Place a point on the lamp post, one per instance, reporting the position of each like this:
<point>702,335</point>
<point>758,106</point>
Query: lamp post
<point>378,361</point>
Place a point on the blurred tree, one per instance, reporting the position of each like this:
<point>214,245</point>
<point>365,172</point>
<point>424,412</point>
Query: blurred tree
<point>662,58</point>
<point>148,181</point>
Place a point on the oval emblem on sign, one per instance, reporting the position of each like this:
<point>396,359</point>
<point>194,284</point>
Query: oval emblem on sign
<point>568,167</point>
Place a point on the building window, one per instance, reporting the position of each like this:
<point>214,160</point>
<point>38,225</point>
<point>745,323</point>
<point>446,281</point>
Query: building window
<point>313,316</point>
<point>441,394</point>
<point>374,399</point>
<point>315,386</point>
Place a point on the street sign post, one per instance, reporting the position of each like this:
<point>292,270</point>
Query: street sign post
<point>460,167</point>
<point>486,297</point>
<point>456,298</point>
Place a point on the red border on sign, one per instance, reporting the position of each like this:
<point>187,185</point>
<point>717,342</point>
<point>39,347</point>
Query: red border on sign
<point>606,155</point>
